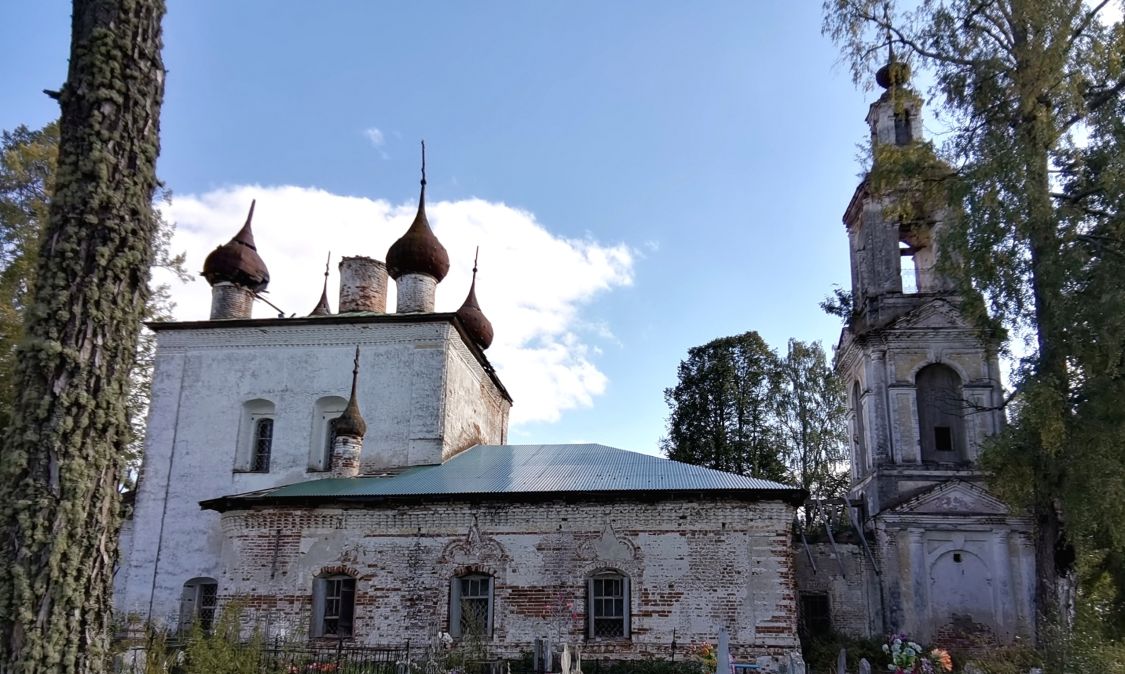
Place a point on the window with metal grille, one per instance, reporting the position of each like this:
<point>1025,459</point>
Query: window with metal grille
<point>263,443</point>
<point>330,437</point>
<point>608,606</point>
<point>333,606</point>
<point>198,603</point>
<point>470,610</point>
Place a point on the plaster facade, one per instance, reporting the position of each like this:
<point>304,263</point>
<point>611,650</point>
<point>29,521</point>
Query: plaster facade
<point>212,380</point>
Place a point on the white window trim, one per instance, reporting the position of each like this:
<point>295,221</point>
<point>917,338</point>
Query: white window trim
<point>627,618</point>
<point>455,604</point>
<point>320,449</point>
<point>320,590</point>
<point>191,600</point>
<point>244,454</point>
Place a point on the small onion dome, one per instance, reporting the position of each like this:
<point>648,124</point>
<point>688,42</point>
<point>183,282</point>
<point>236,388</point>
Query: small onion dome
<point>476,324</point>
<point>351,422</point>
<point>418,251</point>
<point>894,74</point>
<point>237,261</point>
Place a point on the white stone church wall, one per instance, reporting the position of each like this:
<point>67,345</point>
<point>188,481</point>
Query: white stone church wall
<point>198,435</point>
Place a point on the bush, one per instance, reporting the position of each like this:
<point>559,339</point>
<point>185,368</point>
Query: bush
<point>821,653</point>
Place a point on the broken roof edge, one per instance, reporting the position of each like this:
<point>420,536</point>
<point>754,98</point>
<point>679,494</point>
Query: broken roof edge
<point>794,496</point>
<point>355,317</point>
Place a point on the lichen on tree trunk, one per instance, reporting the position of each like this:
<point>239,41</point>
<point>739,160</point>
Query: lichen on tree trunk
<point>63,453</point>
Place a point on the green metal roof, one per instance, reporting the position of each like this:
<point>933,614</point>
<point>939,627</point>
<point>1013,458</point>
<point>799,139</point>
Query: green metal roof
<point>495,470</point>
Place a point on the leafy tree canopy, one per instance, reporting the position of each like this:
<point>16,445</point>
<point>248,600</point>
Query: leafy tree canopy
<point>740,407</point>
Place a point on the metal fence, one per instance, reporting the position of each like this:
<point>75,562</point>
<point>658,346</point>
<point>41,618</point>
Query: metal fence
<point>335,659</point>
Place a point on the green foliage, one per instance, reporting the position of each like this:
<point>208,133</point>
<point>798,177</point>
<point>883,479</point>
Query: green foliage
<point>1032,174</point>
<point>811,416</point>
<point>742,408</point>
<point>821,653</point>
<point>27,178</point>
<point>222,650</point>
<point>841,304</point>
<point>721,408</point>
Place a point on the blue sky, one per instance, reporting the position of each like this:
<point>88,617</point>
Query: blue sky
<point>664,172</point>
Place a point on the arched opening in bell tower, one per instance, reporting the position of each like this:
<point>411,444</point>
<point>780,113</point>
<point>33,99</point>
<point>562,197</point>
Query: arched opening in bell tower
<point>941,420</point>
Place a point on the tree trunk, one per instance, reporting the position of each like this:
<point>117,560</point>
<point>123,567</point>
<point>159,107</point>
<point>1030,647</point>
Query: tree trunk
<point>63,453</point>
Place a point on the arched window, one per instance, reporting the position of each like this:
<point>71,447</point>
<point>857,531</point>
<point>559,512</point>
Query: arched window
<point>860,439</point>
<point>333,605</point>
<point>470,605</point>
<point>198,601</point>
<point>941,422</point>
<point>904,132</point>
<point>325,412</point>
<point>256,450</point>
<point>607,606</point>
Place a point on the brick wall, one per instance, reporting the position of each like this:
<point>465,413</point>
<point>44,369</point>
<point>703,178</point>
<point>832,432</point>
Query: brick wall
<point>846,577</point>
<point>694,566</point>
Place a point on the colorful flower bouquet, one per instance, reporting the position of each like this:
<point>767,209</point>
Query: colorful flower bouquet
<point>907,657</point>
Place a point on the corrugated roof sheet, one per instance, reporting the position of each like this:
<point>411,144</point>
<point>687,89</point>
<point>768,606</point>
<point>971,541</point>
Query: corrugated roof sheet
<point>525,469</point>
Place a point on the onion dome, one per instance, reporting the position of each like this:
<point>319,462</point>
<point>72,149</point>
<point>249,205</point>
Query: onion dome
<point>351,422</point>
<point>322,308</point>
<point>476,324</point>
<point>418,251</point>
<point>237,261</point>
<point>895,74</point>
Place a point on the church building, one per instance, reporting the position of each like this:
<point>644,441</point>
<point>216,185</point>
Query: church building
<point>346,476</point>
<point>942,558</point>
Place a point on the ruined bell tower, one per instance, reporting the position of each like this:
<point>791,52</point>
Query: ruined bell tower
<point>924,394</point>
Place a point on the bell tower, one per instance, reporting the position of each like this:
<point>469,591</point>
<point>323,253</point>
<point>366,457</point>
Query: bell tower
<point>924,393</point>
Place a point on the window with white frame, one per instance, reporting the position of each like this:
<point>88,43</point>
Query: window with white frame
<point>325,413</point>
<point>333,606</point>
<point>607,607</point>
<point>256,445</point>
<point>470,605</point>
<point>198,602</point>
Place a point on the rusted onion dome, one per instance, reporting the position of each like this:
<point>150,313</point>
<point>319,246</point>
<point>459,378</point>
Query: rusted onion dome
<point>351,422</point>
<point>237,261</point>
<point>895,73</point>
<point>418,251</point>
<point>473,319</point>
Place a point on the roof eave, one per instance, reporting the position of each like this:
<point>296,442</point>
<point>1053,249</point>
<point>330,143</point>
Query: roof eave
<point>793,496</point>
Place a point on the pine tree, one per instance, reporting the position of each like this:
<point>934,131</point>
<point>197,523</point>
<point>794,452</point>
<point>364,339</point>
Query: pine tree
<point>63,450</point>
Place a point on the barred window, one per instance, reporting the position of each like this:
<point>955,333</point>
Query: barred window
<point>198,602</point>
<point>607,608</point>
<point>333,606</point>
<point>470,608</point>
<point>263,443</point>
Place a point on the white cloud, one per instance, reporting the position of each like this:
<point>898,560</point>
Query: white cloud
<point>375,136</point>
<point>532,284</point>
